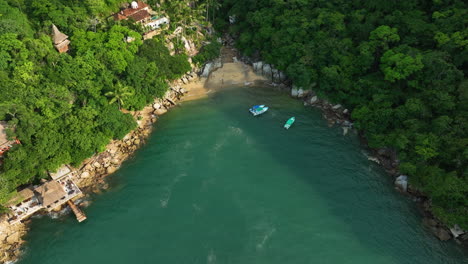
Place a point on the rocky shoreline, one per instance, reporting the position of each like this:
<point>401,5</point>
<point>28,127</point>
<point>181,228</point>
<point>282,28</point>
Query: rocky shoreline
<point>90,176</point>
<point>338,115</point>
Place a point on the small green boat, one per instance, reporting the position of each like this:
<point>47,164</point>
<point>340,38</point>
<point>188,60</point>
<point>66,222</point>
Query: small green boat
<point>289,122</point>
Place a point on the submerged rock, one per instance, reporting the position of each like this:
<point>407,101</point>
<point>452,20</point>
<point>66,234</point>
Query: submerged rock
<point>441,234</point>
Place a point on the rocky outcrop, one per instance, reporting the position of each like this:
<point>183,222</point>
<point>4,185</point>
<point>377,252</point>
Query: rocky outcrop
<point>337,114</point>
<point>268,71</point>
<point>210,67</point>
<point>401,183</point>
<point>12,239</point>
<point>91,174</point>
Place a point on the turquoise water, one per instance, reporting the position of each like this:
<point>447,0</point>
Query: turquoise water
<point>216,185</point>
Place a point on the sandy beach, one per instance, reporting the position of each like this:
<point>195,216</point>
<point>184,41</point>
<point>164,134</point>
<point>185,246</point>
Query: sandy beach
<point>233,73</point>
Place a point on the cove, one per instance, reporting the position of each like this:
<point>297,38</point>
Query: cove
<point>216,185</point>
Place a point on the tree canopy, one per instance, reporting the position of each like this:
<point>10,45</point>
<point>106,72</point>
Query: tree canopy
<point>66,107</point>
<point>399,65</point>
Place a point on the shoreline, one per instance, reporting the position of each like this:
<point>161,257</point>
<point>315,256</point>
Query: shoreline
<point>91,174</point>
<point>387,158</point>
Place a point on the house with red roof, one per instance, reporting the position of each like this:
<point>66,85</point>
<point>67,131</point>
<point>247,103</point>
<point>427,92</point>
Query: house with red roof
<point>141,13</point>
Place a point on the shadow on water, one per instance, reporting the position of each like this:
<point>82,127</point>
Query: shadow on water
<point>393,227</point>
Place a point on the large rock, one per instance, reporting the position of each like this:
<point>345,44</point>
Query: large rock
<point>14,238</point>
<point>156,106</point>
<point>160,111</point>
<point>457,231</point>
<point>85,175</point>
<point>336,107</point>
<point>207,70</point>
<point>401,183</point>
<point>111,169</point>
<point>294,91</point>
<point>257,67</point>
<point>313,99</point>
<point>275,75</point>
<point>267,71</point>
<point>441,233</point>
<point>281,76</point>
<point>301,93</point>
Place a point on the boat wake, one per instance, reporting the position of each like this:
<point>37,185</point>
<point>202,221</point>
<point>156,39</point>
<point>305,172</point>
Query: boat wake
<point>265,238</point>
<point>168,190</point>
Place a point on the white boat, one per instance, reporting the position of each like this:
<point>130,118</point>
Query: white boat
<point>258,109</point>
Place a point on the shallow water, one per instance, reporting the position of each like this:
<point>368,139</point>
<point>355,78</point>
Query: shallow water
<point>216,185</point>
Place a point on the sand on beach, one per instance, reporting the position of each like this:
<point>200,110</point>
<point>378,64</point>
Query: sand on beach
<point>233,73</point>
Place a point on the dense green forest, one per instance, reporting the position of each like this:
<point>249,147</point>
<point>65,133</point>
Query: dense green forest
<point>66,107</point>
<point>400,65</point>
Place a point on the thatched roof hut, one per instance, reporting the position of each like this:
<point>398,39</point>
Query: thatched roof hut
<point>60,40</point>
<point>52,194</point>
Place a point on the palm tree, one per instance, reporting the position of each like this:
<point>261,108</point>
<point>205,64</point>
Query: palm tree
<point>119,94</point>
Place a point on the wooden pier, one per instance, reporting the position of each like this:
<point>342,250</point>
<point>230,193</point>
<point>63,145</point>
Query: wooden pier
<point>80,216</point>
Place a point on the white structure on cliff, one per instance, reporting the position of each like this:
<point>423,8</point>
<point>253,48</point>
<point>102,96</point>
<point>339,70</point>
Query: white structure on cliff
<point>50,195</point>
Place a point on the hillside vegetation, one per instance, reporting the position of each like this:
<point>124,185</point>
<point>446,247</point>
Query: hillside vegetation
<point>66,107</point>
<point>400,65</point>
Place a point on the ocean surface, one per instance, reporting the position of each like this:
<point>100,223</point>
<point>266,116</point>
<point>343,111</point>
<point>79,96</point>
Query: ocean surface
<point>217,185</point>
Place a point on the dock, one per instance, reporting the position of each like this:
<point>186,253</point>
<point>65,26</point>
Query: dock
<point>80,216</point>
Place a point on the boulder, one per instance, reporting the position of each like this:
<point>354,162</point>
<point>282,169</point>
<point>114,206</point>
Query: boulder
<point>85,175</point>
<point>347,123</point>
<point>184,80</point>
<point>267,71</point>
<point>294,91</point>
<point>346,111</point>
<point>258,67</point>
<point>14,238</point>
<point>441,233</point>
<point>137,141</point>
<point>336,107</point>
<point>206,70</point>
<point>401,183</point>
<point>96,164</point>
<point>111,169</point>
<point>275,75</point>
<point>156,106</point>
<point>300,92</point>
<point>313,99</point>
<point>457,231</point>
<point>345,130</point>
<point>160,111</point>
